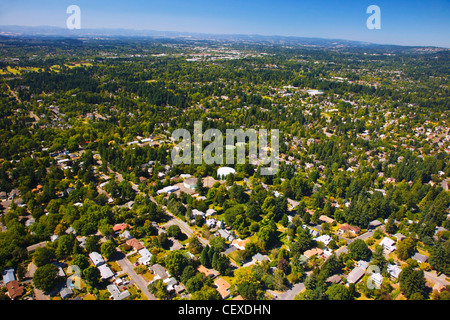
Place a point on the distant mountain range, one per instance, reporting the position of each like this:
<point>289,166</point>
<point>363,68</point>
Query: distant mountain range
<point>50,31</point>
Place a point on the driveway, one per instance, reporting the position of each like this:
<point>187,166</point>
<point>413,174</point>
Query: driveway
<point>290,293</point>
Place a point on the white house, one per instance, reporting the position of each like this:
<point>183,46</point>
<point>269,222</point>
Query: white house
<point>377,278</point>
<point>145,256</point>
<point>115,292</point>
<point>362,264</point>
<point>168,190</point>
<point>324,238</point>
<point>96,258</point>
<point>105,271</point>
<point>196,212</point>
<point>388,244</point>
<point>393,270</point>
<point>211,223</point>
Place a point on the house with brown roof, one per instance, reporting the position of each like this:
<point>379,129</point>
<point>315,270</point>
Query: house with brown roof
<point>346,227</point>
<point>223,287</point>
<point>120,227</point>
<point>325,218</point>
<point>211,273</point>
<point>312,252</point>
<point>14,289</point>
<point>136,244</point>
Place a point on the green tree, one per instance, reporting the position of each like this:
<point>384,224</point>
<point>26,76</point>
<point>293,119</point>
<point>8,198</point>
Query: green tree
<point>43,256</point>
<point>440,257</point>
<point>406,248</point>
<point>92,276</point>
<point>206,293</point>
<point>108,249</point>
<point>195,246</point>
<point>45,277</point>
<point>195,283</point>
<point>174,231</point>
<point>204,257</point>
<point>188,272</point>
<point>175,262</point>
<point>81,261</point>
<point>159,289</point>
<point>412,281</point>
<point>92,244</point>
<point>65,246</point>
<point>338,292</point>
<point>359,250</point>
<point>267,235</point>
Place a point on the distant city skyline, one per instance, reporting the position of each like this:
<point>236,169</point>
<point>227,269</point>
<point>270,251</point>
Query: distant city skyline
<point>423,23</point>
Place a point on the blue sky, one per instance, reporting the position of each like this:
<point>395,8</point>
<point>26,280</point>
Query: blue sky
<point>403,22</point>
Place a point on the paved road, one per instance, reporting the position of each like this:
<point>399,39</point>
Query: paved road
<point>184,227</point>
<point>291,293</point>
<point>433,277</point>
<point>127,267</point>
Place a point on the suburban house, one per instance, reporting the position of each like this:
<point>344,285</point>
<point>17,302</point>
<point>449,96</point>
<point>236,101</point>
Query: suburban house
<point>419,257</point>
<point>225,234</point>
<point>65,293</point>
<point>196,212</point>
<point>312,252</point>
<point>362,264</point>
<point>12,285</point>
<point>136,244</point>
<point>346,227</point>
<point>211,273</point>
<point>355,275</point>
<point>374,224</point>
<point>377,278</point>
<point>120,227</point>
<point>115,292</point>
<point>14,289</point>
<point>324,239</point>
<point>399,236</point>
<point>171,283</point>
<point>393,270</point>
<point>8,276</point>
<point>240,244</point>
<point>159,271</point>
<point>326,219</point>
<point>125,235</point>
<point>96,258</point>
<point>259,257</point>
<point>105,271</point>
<point>145,256</point>
<point>334,279</point>
<point>388,244</point>
<point>222,287</point>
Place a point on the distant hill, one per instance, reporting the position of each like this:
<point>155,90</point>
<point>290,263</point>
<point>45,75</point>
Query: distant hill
<point>50,31</point>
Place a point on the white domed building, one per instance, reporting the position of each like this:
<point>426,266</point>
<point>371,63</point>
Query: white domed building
<point>223,172</point>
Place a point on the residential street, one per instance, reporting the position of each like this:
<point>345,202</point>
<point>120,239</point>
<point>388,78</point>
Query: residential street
<point>127,267</point>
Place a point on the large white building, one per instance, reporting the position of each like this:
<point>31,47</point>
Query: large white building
<point>223,172</point>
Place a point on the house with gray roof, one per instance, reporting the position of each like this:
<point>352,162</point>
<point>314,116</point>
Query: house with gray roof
<point>116,294</point>
<point>355,275</point>
<point>8,276</point>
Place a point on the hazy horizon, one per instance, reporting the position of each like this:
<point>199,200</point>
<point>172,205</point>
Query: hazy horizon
<point>408,23</point>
